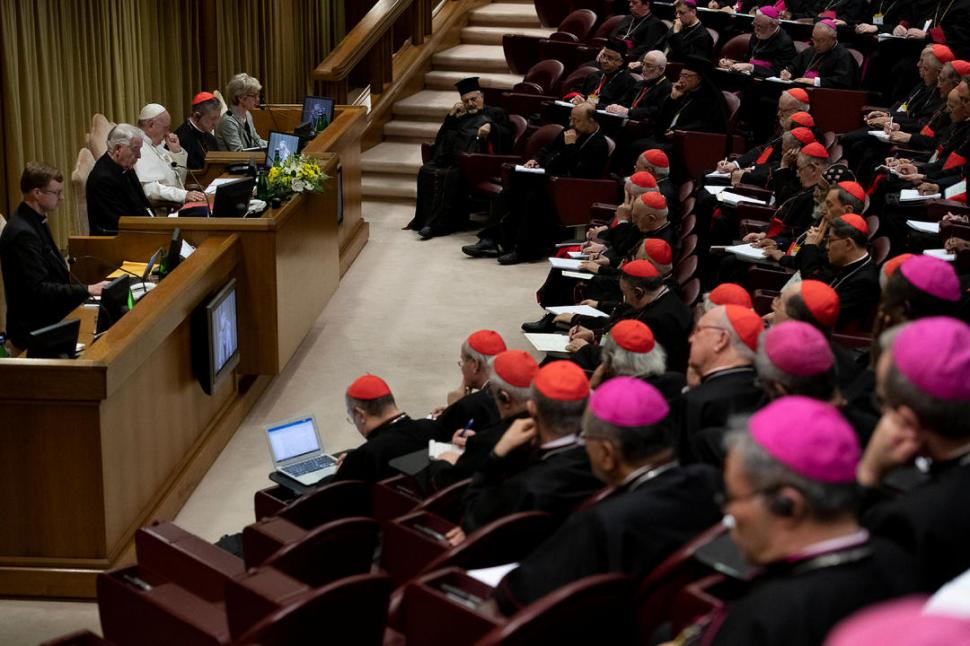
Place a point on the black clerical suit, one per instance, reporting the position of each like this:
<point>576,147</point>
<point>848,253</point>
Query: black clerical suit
<point>703,110</point>
<point>857,284</point>
<point>835,68</point>
<point>610,87</point>
<point>196,143</point>
<point>690,41</point>
<point>36,279</point>
<point>440,202</point>
<point>648,98</point>
<point>797,602</point>
<point>930,522</point>
<point>771,55</point>
<point>476,409</point>
<point>396,437</point>
<point>441,474</point>
<point>631,531</point>
<point>641,33</point>
<point>555,480</point>
<point>111,193</point>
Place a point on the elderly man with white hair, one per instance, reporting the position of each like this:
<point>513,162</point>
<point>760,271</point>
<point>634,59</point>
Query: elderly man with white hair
<point>161,168</point>
<point>826,63</point>
<point>770,49</point>
<point>113,188</point>
<point>648,95</point>
<point>630,350</point>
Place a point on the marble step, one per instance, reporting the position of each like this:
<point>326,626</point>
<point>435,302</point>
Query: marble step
<point>482,35</point>
<point>472,58</point>
<point>445,80</point>
<point>426,105</point>
<point>505,14</point>
<point>388,187</point>
<point>392,158</point>
<point>409,130</point>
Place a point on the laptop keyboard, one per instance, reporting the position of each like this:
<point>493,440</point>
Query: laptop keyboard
<point>303,468</point>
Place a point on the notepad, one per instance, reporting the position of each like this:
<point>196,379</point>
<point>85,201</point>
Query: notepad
<point>716,190</point>
<point>734,198</point>
<point>566,263</point>
<point>748,252</point>
<point>942,254</point>
<point>128,268</point>
<point>583,310</point>
<point>778,79</point>
<point>912,195</point>
<point>718,175</point>
<point>882,37</point>
<point>581,275</point>
<point>547,342</point>
<point>565,104</point>
<point>956,189</point>
<point>491,576</point>
<point>519,168</point>
<point>880,135</point>
<point>925,227</point>
<point>435,449</point>
<point>577,255</point>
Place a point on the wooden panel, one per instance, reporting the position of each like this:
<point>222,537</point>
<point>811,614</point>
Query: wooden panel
<point>361,40</point>
<point>285,118</point>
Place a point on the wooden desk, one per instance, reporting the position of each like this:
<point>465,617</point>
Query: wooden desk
<point>279,250</point>
<point>93,448</point>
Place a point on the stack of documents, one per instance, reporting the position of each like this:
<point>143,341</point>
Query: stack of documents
<point>734,198</point>
<point>519,168</point>
<point>584,310</point>
<point>566,263</point>
<point>941,254</point>
<point>437,448</point>
<point>924,227</point>
<point>912,195</point>
<point>548,342</point>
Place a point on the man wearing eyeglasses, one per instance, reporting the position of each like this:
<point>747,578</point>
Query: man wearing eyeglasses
<point>37,282</point>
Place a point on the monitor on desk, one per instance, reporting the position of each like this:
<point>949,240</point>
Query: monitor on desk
<point>314,106</point>
<point>58,341</point>
<point>232,198</point>
<point>115,303</point>
<point>215,338</point>
<point>282,144</point>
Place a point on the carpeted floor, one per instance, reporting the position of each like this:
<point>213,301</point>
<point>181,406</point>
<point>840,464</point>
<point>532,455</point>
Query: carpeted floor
<point>401,312</point>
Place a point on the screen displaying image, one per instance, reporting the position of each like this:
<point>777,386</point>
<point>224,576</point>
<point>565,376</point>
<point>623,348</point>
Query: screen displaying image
<point>292,439</point>
<point>282,144</point>
<point>224,337</point>
<point>314,106</point>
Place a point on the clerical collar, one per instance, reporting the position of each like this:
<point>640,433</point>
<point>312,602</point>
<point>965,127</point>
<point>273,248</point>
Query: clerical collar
<point>646,473</point>
<point>850,270</point>
<point>196,128</point>
<point>385,425</point>
<point>37,214</point>
<point>855,539</point>
<point>720,372</point>
<point>560,441</point>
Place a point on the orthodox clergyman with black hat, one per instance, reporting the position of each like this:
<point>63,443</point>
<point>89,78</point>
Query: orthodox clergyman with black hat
<point>469,127</point>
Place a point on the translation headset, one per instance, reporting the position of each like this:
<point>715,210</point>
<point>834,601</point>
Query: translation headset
<point>782,505</point>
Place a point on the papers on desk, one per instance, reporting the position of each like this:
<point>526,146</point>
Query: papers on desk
<point>941,254</point>
<point>912,195</point>
<point>882,37</point>
<point>491,576</point>
<point>547,342</point>
<point>716,190</point>
<point>128,268</point>
<point>880,135</point>
<point>778,79</point>
<point>581,275</point>
<point>956,189</point>
<point>734,198</point>
<point>566,263</point>
<point>519,168</point>
<point>577,255</point>
<point>217,182</point>
<point>565,104</point>
<point>748,252</point>
<point>187,250</point>
<point>718,175</point>
<point>435,449</point>
<point>924,227</point>
<point>584,310</point>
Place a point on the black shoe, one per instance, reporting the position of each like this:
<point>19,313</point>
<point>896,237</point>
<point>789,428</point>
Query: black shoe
<point>484,248</point>
<point>426,233</point>
<point>511,258</point>
<point>545,324</point>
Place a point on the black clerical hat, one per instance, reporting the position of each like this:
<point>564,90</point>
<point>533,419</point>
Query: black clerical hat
<point>619,46</point>
<point>698,64</point>
<point>467,85</point>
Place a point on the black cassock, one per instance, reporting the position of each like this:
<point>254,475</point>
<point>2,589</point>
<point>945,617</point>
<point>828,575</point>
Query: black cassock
<point>797,603</point>
<point>441,474</point>
<point>641,33</point>
<point>771,55</point>
<point>613,87</point>
<point>631,531</point>
<point>857,284</point>
<point>440,202</point>
<point>478,408</point>
<point>196,143</point>
<point>835,68</point>
<point>111,193</point>
<point>690,41</point>
<point>555,481</point>
<point>931,522</point>
<point>392,439</point>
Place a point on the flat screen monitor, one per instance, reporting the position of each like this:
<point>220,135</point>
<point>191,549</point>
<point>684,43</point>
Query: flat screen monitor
<point>115,303</point>
<point>151,265</point>
<point>314,106</point>
<point>215,338</point>
<point>232,198</point>
<point>58,341</point>
<point>174,255</point>
<point>283,144</point>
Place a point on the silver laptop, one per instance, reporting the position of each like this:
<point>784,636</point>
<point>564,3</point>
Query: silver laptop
<point>297,452</point>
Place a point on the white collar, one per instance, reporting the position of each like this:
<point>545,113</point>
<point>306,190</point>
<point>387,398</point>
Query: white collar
<point>560,441</point>
<point>834,544</point>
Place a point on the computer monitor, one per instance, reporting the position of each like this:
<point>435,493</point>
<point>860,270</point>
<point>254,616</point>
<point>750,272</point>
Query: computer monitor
<point>58,341</point>
<point>232,198</point>
<point>314,106</point>
<point>151,265</point>
<point>283,143</point>
<point>115,302</point>
<point>215,338</point>
<point>174,255</point>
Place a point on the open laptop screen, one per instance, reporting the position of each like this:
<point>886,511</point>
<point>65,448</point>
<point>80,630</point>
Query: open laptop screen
<point>292,439</point>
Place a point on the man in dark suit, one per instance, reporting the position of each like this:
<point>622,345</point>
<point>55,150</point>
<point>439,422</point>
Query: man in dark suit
<point>36,278</point>
<point>195,134</point>
<point>826,63</point>
<point>113,188</point>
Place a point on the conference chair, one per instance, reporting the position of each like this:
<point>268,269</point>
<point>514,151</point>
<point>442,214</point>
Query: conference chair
<point>688,222</point>
<point>735,48</point>
<point>872,222</point>
<point>521,52</point>
<point>543,78</point>
<point>323,553</point>
<point>602,33</point>
<point>716,37</point>
<point>688,245</point>
<point>574,77</point>
<point>445,607</point>
<point>572,55</point>
<point>480,171</point>
<point>880,249</point>
<point>552,12</point>
<point>575,27</point>
<point>700,151</point>
<point>691,292</point>
<point>684,270</point>
<point>837,110</point>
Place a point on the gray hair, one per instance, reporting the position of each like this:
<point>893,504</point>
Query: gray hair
<point>740,347</point>
<point>821,386</point>
<point>470,353</point>
<point>635,443</point>
<point>622,362</point>
<point>211,105</point>
<point>774,21</point>
<point>123,134</point>
<point>659,57</point>
<point>518,395</point>
<point>561,418</point>
<point>823,500</point>
<point>239,85</point>
<point>937,63</point>
<point>848,198</point>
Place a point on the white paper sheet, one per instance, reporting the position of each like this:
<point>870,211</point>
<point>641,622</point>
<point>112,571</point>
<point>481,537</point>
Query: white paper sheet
<point>565,104</point>
<point>777,79</point>
<point>941,254</point>
<point>565,263</point>
<point>912,195</point>
<point>548,342</point>
<point>437,448</point>
<point>925,227</point>
<point>733,198</point>
<point>577,274</point>
<point>519,168</point>
<point>718,175</point>
<point>577,255</point>
<point>880,135</point>
<point>584,310</point>
<point>748,252</point>
<point>491,576</point>
<point>716,190</point>
<point>956,189</point>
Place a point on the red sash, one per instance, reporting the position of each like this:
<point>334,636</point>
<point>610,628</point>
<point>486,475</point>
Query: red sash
<point>763,158</point>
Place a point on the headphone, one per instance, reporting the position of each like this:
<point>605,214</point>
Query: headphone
<point>782,505</point>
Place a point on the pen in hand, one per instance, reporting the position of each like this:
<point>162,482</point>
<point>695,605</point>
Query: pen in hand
<point>468,425</point>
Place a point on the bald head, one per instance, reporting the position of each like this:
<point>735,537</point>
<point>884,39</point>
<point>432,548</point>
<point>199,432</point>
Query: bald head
<point>581,118</point>
<point>654,64</point>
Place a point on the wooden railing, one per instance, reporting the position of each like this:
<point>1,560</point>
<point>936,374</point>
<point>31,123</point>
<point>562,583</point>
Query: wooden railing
<point>365,55</point>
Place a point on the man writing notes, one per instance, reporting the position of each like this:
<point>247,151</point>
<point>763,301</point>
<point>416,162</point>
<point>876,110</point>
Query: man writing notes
<point>113,188</point>
<point>470,127</point>
<point>161,167</point>
<point>36,279</point>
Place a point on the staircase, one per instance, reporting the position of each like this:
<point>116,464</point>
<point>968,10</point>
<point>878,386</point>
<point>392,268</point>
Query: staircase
<point>390,169</point>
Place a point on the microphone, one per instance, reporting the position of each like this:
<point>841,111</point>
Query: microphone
<point>272,116</point>
<point>208,212</point>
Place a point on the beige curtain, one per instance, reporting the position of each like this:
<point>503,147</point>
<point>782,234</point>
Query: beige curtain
<point>62,61</point>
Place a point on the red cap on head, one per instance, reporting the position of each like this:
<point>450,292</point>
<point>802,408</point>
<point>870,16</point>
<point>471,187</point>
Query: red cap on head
<point>640,269</point>
<point>962,68</point>
<point>942,53</point>
<point>654,200</point>
<point>799,94</point>
<point>202,97</point>
<point>854,189</point>
<point>562,380</point>
<point>658,251</point>
<point>803,135</point>
<point>633,335</point>
<point>657,157</point>
<point>487,342</point>
<point>643,179</point>
<point>891,265</point>
<point>803,119</point>
<point>516,367</point>
<point>730,294</point>
<point>821,300</point>
<point>746,323</point>
<point>815,150</point>
<point>368,387</point>
<point>857,222</point>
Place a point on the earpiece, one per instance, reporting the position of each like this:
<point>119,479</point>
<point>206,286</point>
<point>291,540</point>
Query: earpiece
<point>782,506</point>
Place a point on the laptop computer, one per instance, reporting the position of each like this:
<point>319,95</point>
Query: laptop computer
<point>297,451</point>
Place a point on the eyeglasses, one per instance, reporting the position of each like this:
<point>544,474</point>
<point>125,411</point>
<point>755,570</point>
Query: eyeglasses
<point>57,193</point>
<point>698,328</point>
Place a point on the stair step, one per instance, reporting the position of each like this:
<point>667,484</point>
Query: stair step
<point>481,35</point>
<point>392,158</point>
<point>426,105</point>
<point>388,186</point>
<point>407,130</point>
<point>505,14</point>
<point>473,58</point>
<point>446,79</point>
